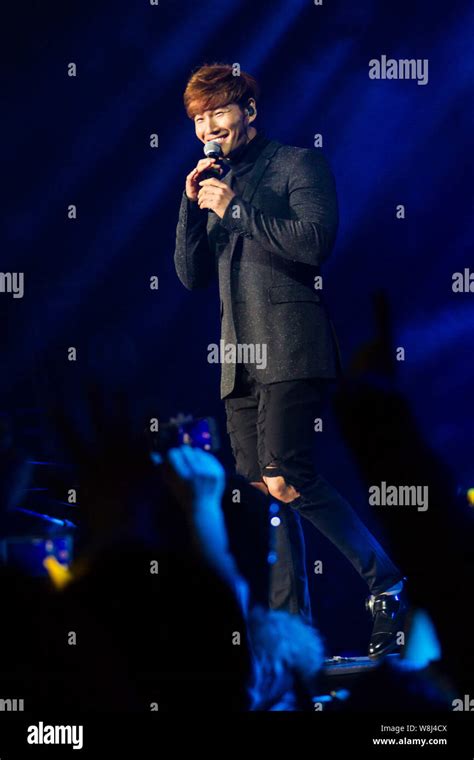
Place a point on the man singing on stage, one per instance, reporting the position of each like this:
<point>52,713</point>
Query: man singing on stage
<point>266,227</point>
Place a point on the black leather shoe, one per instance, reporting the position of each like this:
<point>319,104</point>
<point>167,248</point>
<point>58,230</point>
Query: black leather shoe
<point>389,614</point>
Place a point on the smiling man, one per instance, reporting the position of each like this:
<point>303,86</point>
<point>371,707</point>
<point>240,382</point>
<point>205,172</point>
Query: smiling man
<point>264,228</point>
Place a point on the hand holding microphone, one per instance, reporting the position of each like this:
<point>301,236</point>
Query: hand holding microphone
<point>206,168</point>
<point>203,184</point>
<point>199,173</point>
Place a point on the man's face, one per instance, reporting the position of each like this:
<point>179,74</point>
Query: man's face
<point>228,121</point>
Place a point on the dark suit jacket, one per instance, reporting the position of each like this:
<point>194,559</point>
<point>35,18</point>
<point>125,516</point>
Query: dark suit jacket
<point>266,251</point>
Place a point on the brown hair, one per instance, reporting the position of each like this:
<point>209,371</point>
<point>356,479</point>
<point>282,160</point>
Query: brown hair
<point>213,85</point>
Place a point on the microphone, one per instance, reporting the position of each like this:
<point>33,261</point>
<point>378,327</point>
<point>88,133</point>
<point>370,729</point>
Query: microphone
<point>212,149</point>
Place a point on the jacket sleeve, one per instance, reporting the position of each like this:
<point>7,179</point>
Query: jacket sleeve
<point>193,260</point>
<point>308,236</point>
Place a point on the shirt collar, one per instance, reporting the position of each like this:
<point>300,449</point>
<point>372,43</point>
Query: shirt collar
<point>247,154</point>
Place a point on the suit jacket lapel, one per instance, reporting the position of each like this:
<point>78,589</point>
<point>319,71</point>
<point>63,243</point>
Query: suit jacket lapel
<point>259,168</point>
<point>253,180</point>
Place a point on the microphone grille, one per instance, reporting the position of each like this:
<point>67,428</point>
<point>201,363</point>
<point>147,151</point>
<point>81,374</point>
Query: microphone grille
<point>212,149</point>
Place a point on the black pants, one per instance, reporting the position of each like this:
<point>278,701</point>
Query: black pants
<point>274,424</point>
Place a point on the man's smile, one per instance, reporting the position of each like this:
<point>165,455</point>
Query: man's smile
<point>217,139</point>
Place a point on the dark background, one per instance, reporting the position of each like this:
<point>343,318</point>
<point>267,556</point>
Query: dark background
<point>85,141</point>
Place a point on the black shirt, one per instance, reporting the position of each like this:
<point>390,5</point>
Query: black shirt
<point>242,160</point>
